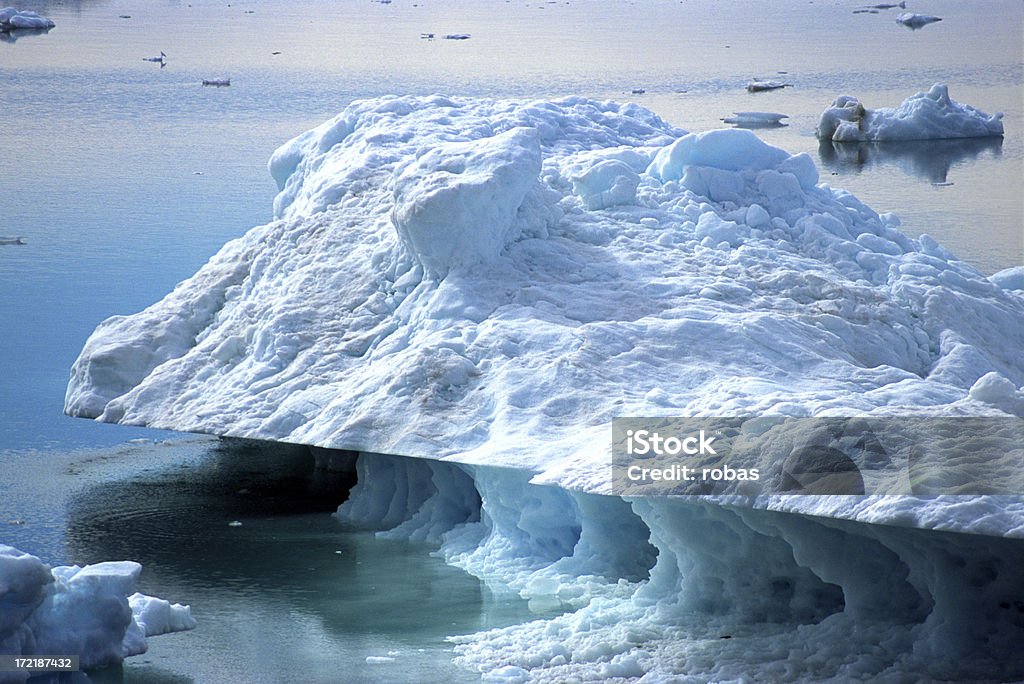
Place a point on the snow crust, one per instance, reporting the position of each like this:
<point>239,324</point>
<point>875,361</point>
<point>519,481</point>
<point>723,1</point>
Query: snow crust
<point>70,610</point>
<point>931,115</point>
<point>493,282</point>
<point>11,19</point>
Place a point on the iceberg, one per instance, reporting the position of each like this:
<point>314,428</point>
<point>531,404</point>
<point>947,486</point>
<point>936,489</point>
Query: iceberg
<point>457,297</point>
<point>756,119</point>
<point>12,19</point>
<point>493,282</point>
<point>931,115</point>
<point>70,610</point>
<point>759,86</point>
<point>916,21</point>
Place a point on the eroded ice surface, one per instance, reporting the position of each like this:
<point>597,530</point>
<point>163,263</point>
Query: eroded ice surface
<point>685,589</point>
<point>90,612</point>
<point>493,282</point>
<point>931,115</point>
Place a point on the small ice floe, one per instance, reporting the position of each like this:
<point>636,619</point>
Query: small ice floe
<point>931,115</point>
<point>916,21</point>
<point>759,86</point>
<point>755,119</point>
<point>14,240</point>
<point>457,36</point>
<point>12,19</point>
<point>376,660</point>
<point>217,82</point>
<point>161,60</point>
<point>235,523</point>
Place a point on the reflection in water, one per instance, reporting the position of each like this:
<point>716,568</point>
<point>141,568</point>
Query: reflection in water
<point>288,595</point>
<point>14,34</point>
<point>929,160</point>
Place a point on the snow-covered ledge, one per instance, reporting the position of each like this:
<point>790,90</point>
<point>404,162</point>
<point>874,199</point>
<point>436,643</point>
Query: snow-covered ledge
<point>485,285</point>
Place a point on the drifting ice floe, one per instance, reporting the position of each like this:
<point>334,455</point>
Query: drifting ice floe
<point>491,283</point>
<point>90,612</point>
<point>11,19</point>
<point>755,119</point>
<point>759,86</point>
<point>924,116</point>
<point>916,21</point>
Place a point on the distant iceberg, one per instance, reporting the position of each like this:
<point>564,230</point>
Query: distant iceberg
<point>916,21</point>
<point>12,19</point>
<point>931,115</point>
<point>86,612</point>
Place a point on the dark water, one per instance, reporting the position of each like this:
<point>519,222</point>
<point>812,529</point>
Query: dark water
<point>289,595</point>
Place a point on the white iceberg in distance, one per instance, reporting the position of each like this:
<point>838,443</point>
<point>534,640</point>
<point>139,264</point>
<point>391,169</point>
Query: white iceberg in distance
<point>916,21</point>
<point>755,119</point>
<point>12,19</point>
<point>86,612</point>
<point>932,115</point>
<point>493,282</point>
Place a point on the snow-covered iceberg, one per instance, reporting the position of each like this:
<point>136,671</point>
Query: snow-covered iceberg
<point>491,283</point>
<point>90,612</point>
<point>12,19</point>
<point>925,116</point>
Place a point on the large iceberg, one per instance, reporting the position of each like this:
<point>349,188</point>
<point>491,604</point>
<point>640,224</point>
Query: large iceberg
<point>491,283</point>
<point>925,116</point>
<point>90,612</point>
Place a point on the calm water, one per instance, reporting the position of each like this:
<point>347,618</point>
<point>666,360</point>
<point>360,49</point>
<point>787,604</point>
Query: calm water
<point>124,178</point>
<point>288,596</point>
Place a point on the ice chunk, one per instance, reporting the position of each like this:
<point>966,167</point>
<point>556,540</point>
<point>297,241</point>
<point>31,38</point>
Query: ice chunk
<point>755,119</point>
<point>156,616</point>
<point>916,21</point>
<point>11,19</point>
<point>456,204</point>
<point>607,184</point>
<point>759,85</point>
<point>929,115</point>
<point>1010,278</point>
<point>79,611</point>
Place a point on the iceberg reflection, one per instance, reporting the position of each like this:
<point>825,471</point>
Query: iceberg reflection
<point>929,160</point>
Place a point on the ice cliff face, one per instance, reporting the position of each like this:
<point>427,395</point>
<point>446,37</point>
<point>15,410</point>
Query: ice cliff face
<point>493,282</point>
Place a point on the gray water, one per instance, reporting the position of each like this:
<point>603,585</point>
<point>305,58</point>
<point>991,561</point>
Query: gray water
<point>124,177</point>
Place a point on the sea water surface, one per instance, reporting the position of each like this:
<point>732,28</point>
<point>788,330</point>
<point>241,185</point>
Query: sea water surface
<point>123,177</point>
